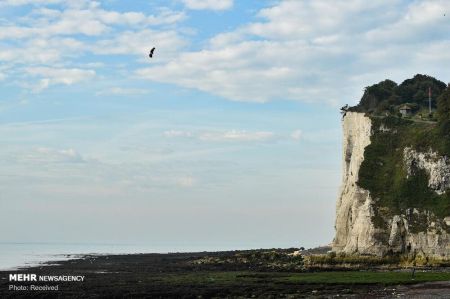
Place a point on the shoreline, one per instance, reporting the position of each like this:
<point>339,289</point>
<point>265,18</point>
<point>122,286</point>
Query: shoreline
<point>189,275</point>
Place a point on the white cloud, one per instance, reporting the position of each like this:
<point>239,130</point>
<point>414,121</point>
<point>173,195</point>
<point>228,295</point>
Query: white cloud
<point>91,21</point>
<point>208,4</point>
<point>51,76</point>
<point>138,18</point>
<point>186,181</point>
<point>297,134</point>
<point>42,51</point>
<point>294,50</point>
<point>49,40</point>
<point>235,135</point>
<point>167,43</point>
<point>222,136</point>
<point>51,155</point>
<point>69,22</point>
<point>49,35</point>
<point>26,2</point>
<point>176,133</point>
<point>316,51</point>
<point>255,71</point>
<point>122,91</point>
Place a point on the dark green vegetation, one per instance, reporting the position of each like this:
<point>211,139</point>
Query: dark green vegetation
<point>388,96</point>
<point>179,275</point>
<point>383,171</point>
<point>342,261</point>
<point>443,114</point>
<point>262,260</point>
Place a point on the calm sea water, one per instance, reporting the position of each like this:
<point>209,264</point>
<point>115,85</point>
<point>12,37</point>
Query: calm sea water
<point>18,255</point>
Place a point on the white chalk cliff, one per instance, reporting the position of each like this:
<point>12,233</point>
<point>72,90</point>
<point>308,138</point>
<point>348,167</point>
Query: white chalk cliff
<point>356,232</point>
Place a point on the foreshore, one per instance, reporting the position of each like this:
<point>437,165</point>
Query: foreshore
<point>243,274</point>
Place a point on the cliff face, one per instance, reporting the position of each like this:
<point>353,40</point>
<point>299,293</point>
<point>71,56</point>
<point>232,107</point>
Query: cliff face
<point>364,226</point>
<point>355,231</point>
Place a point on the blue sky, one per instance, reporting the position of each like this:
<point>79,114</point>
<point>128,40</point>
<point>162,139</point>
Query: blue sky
<point>229,137</point>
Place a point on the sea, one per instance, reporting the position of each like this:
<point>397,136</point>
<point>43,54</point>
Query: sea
<point>14,256</point>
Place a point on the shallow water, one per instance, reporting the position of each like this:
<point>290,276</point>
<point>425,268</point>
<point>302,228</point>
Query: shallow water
<point>19,255</point>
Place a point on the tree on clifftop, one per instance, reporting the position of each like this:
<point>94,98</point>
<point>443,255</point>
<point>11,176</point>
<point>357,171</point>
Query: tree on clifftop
<point>415,90</point>
<point>387,95</point>
<point>378,95</point>
<point>443,112</point>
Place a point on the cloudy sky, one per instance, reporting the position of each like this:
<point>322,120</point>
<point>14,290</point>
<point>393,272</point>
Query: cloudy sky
<point>229,137</point>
